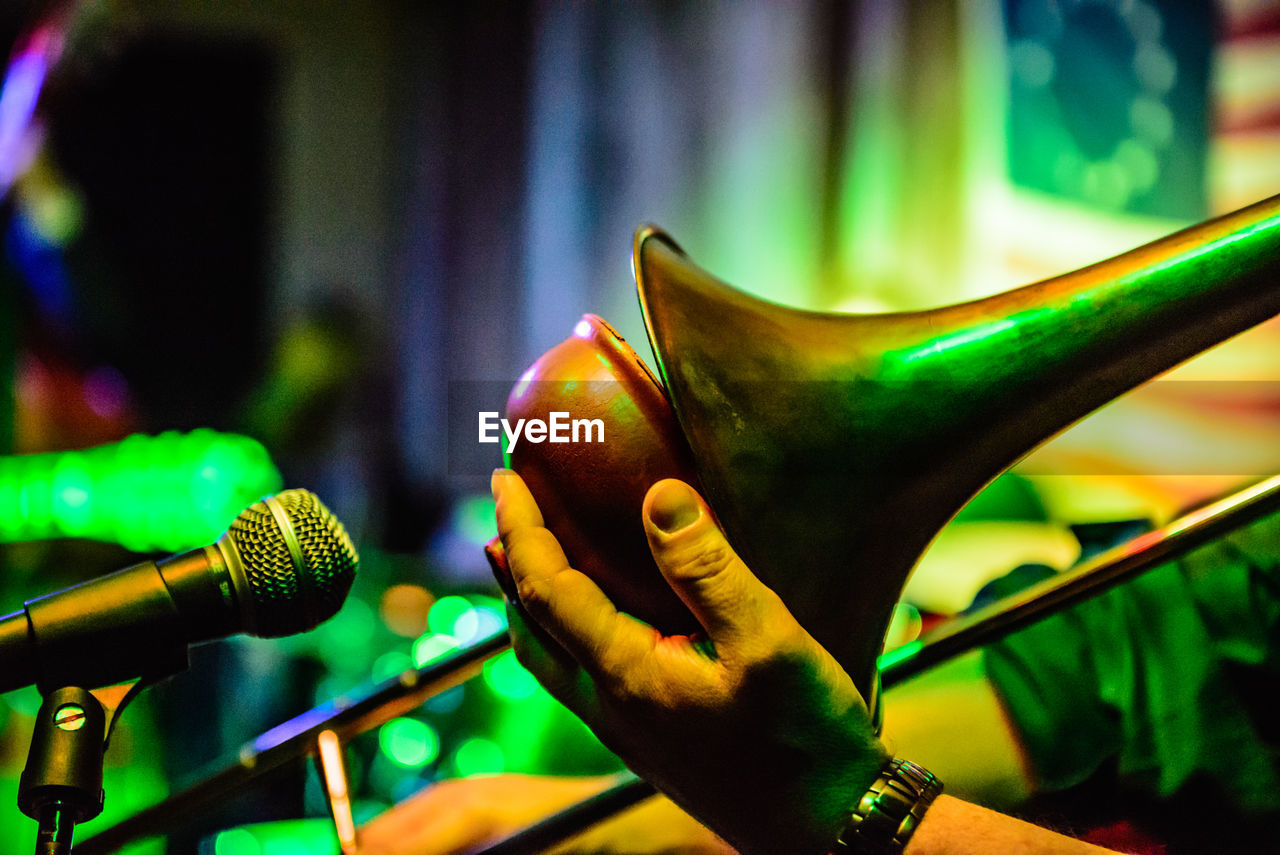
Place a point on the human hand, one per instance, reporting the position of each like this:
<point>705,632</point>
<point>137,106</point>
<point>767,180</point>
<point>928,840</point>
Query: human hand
<point>464,814</point>
<point>750,725</point>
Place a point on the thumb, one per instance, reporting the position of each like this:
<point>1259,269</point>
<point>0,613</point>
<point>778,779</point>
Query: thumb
<point>702,568</point>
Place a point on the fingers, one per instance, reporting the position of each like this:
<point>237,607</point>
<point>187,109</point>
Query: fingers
<point>497,558</point>
<point>568,605</point>
<point>557,671</point>
<point>727,599</point>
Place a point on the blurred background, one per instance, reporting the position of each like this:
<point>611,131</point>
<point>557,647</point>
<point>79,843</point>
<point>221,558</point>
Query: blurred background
<point>253,244</point>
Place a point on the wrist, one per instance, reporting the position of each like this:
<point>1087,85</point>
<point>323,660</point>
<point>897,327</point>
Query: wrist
<point>888,813</point>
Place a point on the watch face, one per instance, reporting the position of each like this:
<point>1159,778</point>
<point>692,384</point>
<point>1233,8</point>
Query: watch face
<point>1109,104</point>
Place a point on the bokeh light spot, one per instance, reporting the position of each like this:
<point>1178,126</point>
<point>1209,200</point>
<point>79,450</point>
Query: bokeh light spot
<point>508,679</point>
<point>1106,184</point>
<point>431,647</point>
<point>1139,164</point>
<point>236,841</point>
<point>1151,121</point>
<point>446,612</point>
<point>351,627</point>
<point>391,664</point>
<point>409,743</point>
<point>404,609</point>
<point>478,756</point>
<point>1032,63</point>
<point>476,623</point>
<point>447,702</point>
<point>1155,68</point>
<point>473,519</point>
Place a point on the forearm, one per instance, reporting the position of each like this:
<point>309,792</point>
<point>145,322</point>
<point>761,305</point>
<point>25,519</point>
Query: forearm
<point>955,827</point>
<point>989,766</point>
<point>950,827</point>
<point>656,826</point>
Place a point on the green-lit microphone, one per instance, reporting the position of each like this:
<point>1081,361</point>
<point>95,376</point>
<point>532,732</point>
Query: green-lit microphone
<point>284,566</point>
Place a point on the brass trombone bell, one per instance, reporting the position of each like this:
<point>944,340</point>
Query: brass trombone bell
<point>834,447</point>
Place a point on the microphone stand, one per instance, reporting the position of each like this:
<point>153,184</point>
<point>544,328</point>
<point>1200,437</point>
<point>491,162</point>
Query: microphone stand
<point>61,785</point>
<point>62,782</point>
<point>303,736</point>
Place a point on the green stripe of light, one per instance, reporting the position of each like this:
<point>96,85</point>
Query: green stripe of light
<point>899,654</point>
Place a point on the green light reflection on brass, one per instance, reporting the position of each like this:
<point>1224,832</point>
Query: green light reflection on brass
<point>899,654</point>
<point>1212,247</point>
<point>959,339</point>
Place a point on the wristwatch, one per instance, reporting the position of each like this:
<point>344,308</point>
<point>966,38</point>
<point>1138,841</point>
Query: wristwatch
<point>888,814</point>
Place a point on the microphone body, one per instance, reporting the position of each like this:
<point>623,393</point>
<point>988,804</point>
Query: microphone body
<point>282,567</point>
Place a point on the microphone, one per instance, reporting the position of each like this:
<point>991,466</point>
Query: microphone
<point>283,566</point>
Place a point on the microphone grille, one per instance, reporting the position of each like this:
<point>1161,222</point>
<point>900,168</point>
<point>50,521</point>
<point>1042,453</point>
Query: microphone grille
<point>298,569</point>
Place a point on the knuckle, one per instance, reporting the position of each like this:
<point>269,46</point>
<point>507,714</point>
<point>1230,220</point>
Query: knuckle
<point>791,642</point>
<point>531,594</point>
<point>562,585</point>
<point>704,561</point>
<point>777,650</point>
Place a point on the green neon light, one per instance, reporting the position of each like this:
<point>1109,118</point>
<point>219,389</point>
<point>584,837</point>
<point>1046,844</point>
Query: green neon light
<point>523,731</point>
<point>473,518</point>
<point>350,629</point>
<point>167,493</point>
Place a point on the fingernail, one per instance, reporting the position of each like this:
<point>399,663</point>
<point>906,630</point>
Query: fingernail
<point>496,481</point>
<point>497,558</point>
<point>673,506</point>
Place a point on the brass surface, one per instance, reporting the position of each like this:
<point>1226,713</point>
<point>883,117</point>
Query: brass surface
<point>834,447</point>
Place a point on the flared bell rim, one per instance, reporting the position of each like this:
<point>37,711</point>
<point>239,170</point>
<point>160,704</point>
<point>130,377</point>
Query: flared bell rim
<point>643,235</point>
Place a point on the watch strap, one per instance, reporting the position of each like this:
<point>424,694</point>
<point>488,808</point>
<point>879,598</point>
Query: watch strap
<point>889,812</point>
